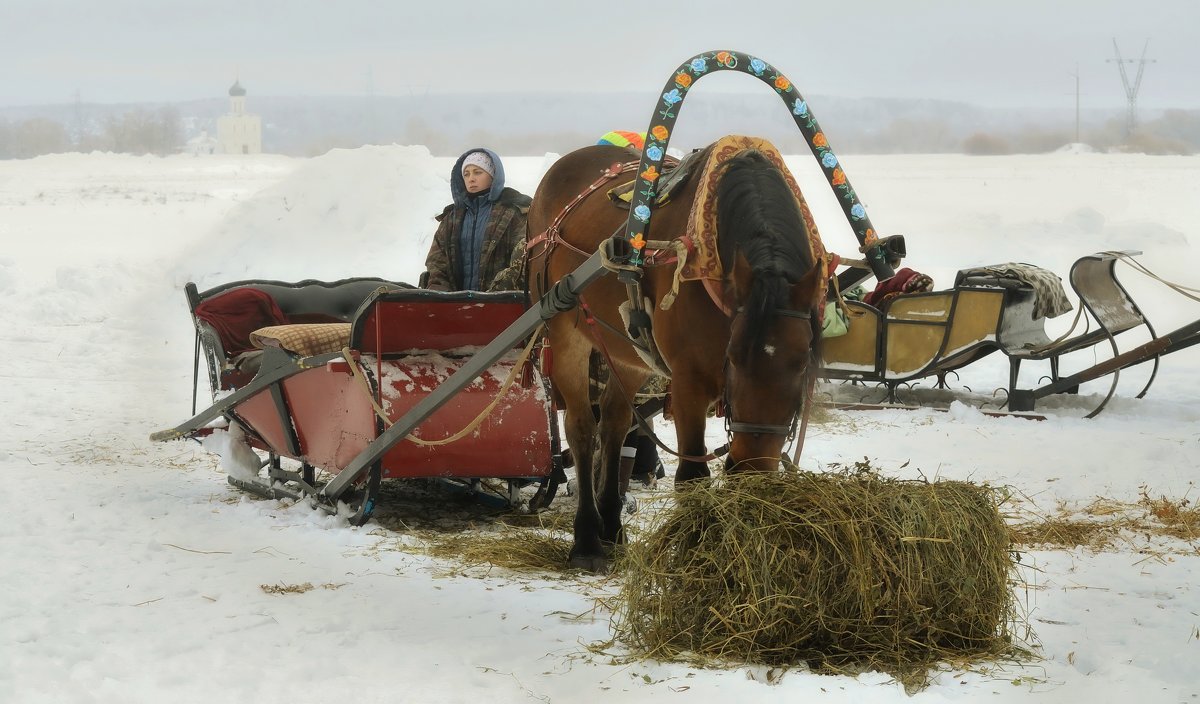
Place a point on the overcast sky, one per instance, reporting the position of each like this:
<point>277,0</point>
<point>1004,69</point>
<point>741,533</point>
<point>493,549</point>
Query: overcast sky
<point>1009,53</point>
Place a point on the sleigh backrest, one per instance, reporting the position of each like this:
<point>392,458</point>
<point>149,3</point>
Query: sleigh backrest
<point>397,321</point>
<point>226,315</point>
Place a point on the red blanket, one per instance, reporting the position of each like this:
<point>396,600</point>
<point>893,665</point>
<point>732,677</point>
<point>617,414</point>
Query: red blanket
<point>905,281</point>
<point>237,313</point>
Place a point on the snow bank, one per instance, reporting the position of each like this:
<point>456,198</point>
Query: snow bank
<point>134,573</point>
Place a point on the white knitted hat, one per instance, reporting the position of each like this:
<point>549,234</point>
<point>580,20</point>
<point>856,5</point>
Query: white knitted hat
<point>482,160</point>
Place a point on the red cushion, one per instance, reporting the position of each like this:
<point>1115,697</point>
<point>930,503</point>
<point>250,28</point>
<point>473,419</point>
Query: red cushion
<point>237,313</point>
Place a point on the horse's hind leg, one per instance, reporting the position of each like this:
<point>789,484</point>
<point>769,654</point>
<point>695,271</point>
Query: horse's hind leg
<point>570,377</point>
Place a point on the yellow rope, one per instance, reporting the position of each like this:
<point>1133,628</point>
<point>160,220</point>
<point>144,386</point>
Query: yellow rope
<point>1038,349</point>
<point>470,428</point>
<point>681,253</point>
<point>362,380</point>
<point>1137,266</point>
<point>1142,268</point>
<point>841,301</point>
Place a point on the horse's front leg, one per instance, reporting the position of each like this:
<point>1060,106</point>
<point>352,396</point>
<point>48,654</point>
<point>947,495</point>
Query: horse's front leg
<point>689,404</point>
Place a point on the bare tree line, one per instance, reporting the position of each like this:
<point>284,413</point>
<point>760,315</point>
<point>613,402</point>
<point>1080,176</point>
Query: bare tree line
<point>139,131</point>
<point>160,131</point>
<point>1176,132</point>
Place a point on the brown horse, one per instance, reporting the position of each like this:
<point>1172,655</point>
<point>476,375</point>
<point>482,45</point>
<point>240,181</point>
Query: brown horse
<point>756,357</point>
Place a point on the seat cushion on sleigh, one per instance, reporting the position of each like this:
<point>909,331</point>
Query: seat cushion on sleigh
<point>304,340</point>
<point>1050,300</point>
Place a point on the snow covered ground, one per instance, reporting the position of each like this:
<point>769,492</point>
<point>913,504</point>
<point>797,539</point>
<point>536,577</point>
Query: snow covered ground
<point>134,573</point>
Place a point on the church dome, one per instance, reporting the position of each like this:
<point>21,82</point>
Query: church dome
<point>236,89</point>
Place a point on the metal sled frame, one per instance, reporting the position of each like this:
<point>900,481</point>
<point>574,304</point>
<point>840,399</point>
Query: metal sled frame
<point>1113,311</point>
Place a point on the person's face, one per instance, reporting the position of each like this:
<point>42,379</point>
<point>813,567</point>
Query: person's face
<point>477,179</point>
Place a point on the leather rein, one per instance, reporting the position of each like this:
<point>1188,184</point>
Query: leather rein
<point>552,235</point>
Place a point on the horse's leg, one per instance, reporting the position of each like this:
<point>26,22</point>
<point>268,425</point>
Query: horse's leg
<point>690,400</point>
<point>570,376</point>
<point>616,415</point>
<point>692,338</point>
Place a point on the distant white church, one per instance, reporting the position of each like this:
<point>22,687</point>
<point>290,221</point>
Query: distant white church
<point>239,132</point>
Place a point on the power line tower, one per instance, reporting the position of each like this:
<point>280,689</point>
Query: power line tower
<point>1131,91</point>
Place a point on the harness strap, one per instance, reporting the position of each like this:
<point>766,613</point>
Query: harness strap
<point>679,249</point>
<point>760,428</point>
<point>550,237</point>
<point>470,427</point>
<point>614,376</point>
<point>808,397</point>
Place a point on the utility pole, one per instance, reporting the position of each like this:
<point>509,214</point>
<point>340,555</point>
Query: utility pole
<point>78,118</point>
<point>371,136</point>
<point>1076,76</point>
<point>1131,91</point>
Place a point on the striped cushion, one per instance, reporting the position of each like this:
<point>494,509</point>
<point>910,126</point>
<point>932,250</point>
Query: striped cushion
<point>304,340</point>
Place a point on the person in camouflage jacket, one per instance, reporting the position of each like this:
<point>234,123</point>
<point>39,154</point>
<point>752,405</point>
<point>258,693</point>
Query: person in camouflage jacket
<point>481,232</point>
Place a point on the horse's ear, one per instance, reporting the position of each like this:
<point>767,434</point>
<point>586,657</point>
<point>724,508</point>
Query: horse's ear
<point>741,278</point>
<point>807,291</point>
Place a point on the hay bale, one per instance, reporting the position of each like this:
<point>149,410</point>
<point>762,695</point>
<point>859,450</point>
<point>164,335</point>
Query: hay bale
<point>834,571</point>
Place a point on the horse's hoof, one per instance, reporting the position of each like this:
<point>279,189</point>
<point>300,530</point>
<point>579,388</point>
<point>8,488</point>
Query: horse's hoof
<point>591,563</point>
<point>689,475</point>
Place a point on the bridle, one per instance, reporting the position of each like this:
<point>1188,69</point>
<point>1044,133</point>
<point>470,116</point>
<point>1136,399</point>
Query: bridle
<point>735,426</point>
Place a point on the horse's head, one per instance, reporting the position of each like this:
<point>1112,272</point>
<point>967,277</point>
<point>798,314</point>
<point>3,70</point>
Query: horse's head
<point>777,284</point>
<point>771,357</point>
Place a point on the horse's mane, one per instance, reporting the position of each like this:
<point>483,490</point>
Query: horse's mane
<point>757,215</point>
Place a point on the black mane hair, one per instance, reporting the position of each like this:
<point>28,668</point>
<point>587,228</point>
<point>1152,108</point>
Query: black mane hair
<point>757,215</point>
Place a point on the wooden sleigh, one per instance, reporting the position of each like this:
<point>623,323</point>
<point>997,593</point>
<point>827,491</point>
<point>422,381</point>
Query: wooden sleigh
<point>328,409</point>
<point>928,335</point>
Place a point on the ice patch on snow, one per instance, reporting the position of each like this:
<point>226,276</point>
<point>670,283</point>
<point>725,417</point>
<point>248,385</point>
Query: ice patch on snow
<point>237,459</point>
<point>8,275</point>
<point>1076,148</point>
<point>961,411</point>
